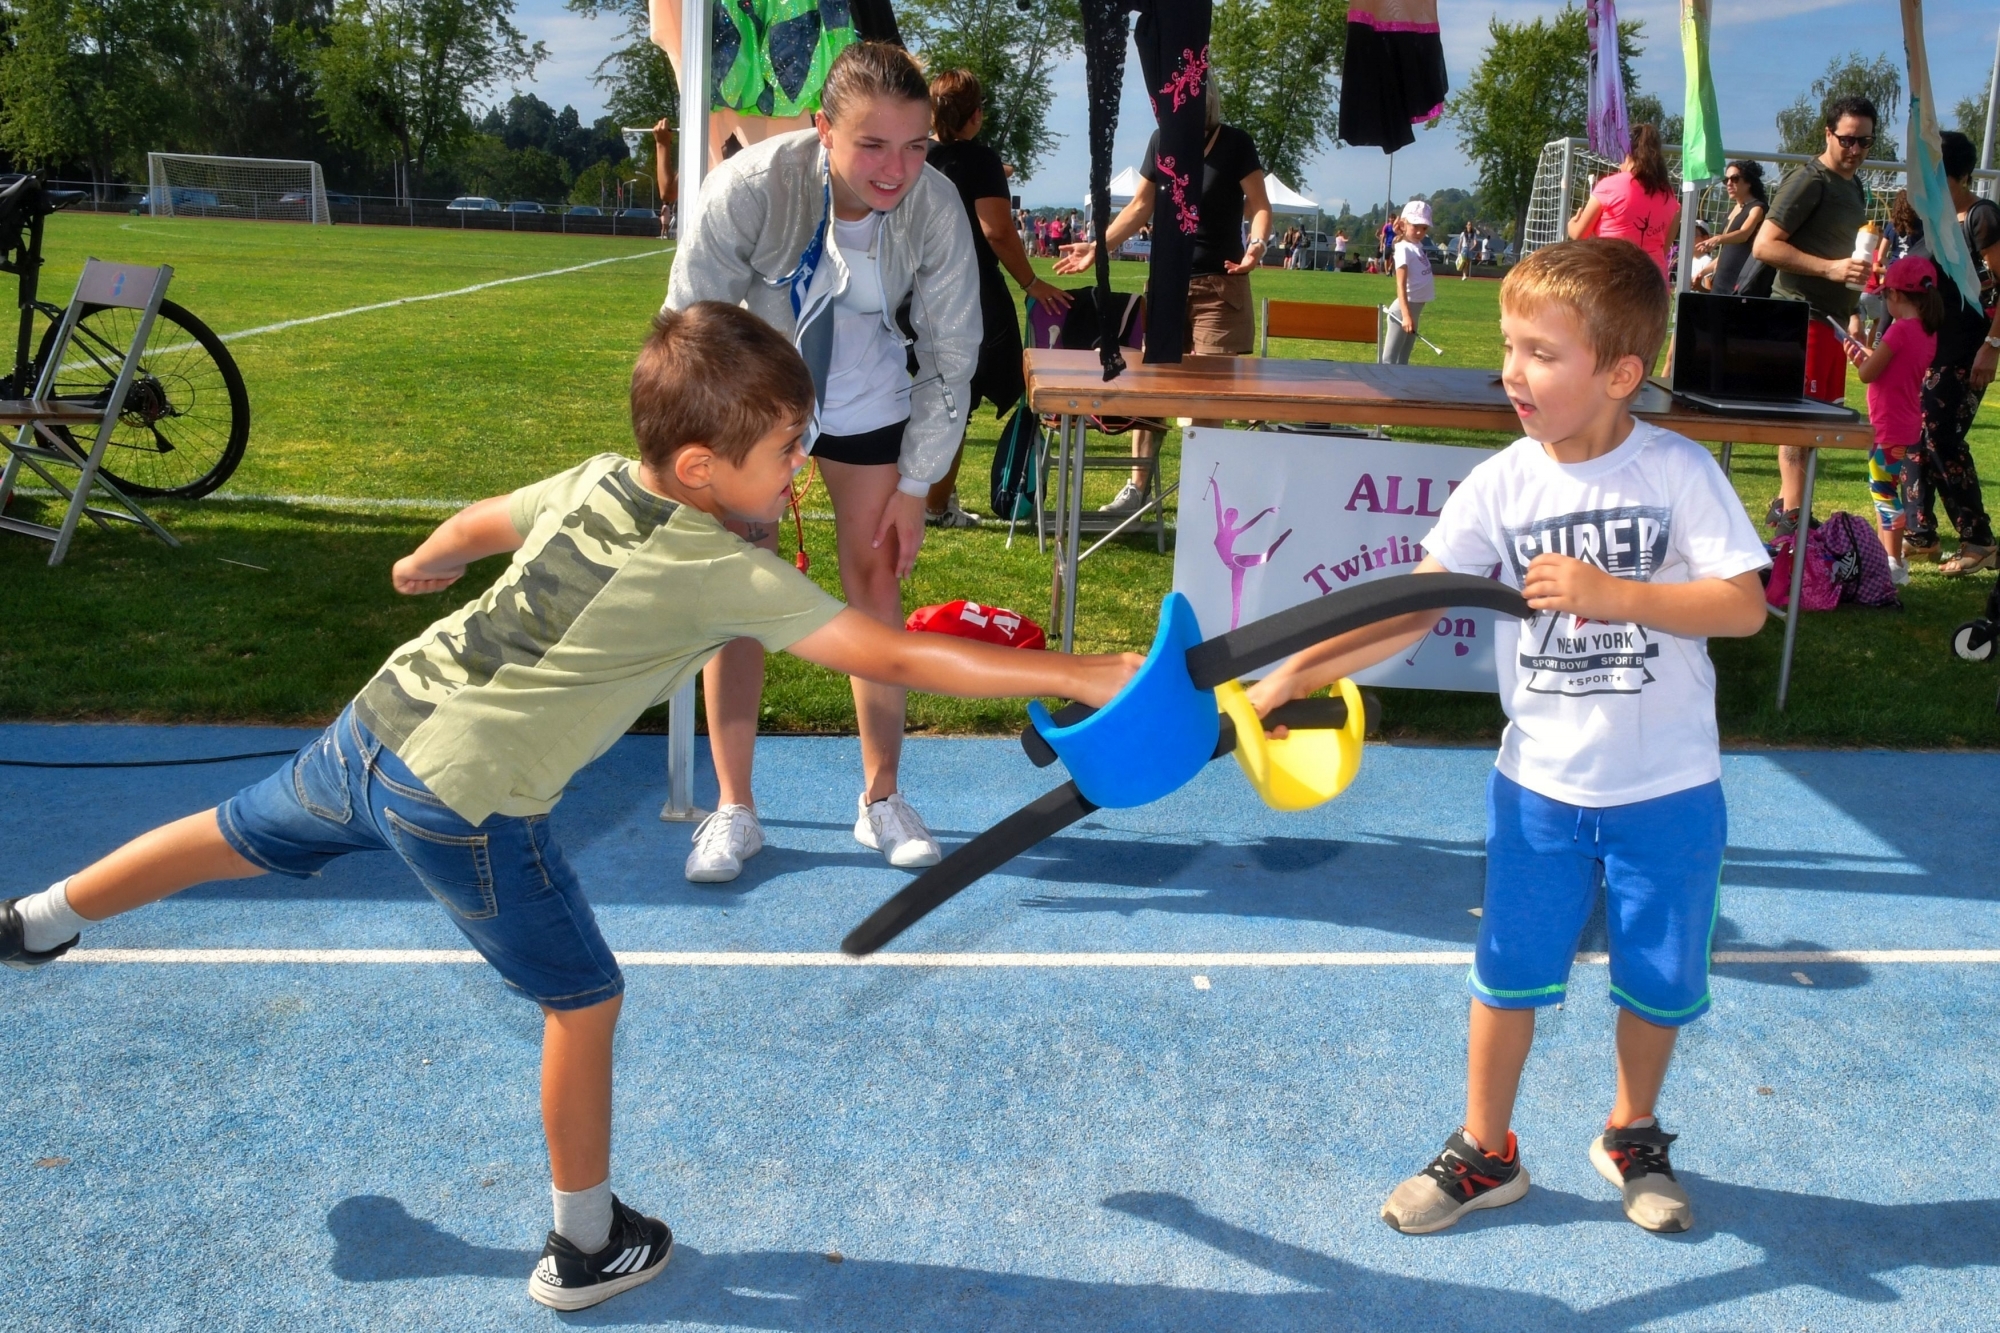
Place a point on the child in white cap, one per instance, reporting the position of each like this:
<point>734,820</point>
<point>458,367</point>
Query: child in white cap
<point>1414,284</point>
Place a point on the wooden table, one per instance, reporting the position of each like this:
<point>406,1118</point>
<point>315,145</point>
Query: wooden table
<point>1071,386</point>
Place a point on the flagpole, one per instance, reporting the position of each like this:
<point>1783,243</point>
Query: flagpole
<point>1992,99</point>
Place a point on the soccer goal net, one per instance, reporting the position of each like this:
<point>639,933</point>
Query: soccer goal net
<point>1568,169</point>
<point>261,188</point>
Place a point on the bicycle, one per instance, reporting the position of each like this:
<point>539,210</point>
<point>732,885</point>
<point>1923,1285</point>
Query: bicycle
<point>186,418</point>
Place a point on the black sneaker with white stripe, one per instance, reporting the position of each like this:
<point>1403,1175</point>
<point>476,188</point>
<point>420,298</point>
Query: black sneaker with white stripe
<point>14,950</point>
<point>568,1279</point>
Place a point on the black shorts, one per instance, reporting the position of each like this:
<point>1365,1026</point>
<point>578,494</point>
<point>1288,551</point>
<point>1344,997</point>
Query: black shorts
<point>871,448</point>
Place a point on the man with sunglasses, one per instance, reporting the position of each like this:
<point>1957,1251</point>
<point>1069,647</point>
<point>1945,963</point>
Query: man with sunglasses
<point>1808,237</point>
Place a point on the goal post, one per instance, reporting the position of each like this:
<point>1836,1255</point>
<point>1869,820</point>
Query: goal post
<point>254,188</point>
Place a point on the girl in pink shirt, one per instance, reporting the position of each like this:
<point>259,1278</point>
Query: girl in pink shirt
<point>1894,373</point>
<point>1636,203</point>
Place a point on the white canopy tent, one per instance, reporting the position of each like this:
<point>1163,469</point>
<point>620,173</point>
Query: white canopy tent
<point>1284,199</point>
<point>1123,186</point>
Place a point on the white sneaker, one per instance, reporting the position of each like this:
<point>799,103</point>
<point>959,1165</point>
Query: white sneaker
<point>954,516</point>
<point>1127,500</point>
<point>722,843</point>
<point>892,828</point>
<point>1899,572</point>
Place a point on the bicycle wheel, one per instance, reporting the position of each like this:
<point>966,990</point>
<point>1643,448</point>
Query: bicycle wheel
<point>186,417</point>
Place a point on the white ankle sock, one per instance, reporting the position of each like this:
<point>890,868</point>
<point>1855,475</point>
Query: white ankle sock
<point>47,919</point>
<point>583,1217</point>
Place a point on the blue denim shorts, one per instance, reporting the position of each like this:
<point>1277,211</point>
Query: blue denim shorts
<point>505,882</point>
<point>1660,862</point>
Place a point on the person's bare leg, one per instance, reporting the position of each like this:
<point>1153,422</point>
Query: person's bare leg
<point>732,690</point>
<point>868,578</point>
<point>1791,475</point>
<point>1496,1050</point>
<point>1145,444</point>
<point>1644,1051</point>
<point>732,686</point>
<point>576,1093</point>
<point>156,865</point>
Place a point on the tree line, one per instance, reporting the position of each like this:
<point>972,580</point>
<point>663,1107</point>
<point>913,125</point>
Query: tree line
<point>1529,89</point>
<point>391,94</point>
<point>386,95</point>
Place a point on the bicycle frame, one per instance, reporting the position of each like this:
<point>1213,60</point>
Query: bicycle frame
<point>21,254</point>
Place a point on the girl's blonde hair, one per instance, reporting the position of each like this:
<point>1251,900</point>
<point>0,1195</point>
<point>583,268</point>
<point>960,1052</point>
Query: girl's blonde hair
<point>866,71</point>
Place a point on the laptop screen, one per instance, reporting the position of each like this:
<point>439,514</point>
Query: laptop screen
<point>1742,347</point>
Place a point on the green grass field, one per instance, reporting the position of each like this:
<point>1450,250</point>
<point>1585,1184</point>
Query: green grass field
<point>433,403</point>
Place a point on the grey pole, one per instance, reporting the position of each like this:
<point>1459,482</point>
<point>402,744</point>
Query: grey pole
<point>1992,99</point>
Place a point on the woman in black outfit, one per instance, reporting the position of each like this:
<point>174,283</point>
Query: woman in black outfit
<point>1745,183</point>
<point>957,113</point>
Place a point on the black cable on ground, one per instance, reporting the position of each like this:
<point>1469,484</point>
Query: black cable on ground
<point>153,763</point>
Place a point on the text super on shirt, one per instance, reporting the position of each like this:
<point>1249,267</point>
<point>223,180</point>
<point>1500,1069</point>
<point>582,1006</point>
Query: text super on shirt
<point>1602,714</point>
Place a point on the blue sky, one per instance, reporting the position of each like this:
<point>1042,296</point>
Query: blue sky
<point>1765,53</point>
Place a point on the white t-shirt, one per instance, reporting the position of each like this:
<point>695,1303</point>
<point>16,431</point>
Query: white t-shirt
<point>1602,714</point>
<point>868,377</point>
<point>1411,256</point>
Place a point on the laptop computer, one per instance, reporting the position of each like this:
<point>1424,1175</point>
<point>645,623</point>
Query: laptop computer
<point>1745,355</point>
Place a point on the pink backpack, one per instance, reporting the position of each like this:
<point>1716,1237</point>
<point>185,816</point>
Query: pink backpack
<point>1844,563</point>
<point>1860,567</point>
<point>1817,592</point>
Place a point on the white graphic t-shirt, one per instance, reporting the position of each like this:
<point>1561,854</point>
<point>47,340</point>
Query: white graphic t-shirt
<point>1602,714</point>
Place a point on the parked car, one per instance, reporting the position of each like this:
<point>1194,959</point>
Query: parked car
<point>525,206</point>
<point>586,211</point>
<point>473,203</point>
<point>334,199</point>
<point>646,213</point>
<point>185,197</point>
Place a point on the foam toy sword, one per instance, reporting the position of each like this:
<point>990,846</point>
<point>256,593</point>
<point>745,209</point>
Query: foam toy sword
<point>1167,723</point>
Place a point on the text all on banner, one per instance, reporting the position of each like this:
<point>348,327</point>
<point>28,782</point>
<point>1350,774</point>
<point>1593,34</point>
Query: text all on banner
<point>1271,519</point>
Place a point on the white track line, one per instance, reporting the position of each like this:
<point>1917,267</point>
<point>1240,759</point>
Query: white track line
<point>1416,958</point>
<point>412,300</point>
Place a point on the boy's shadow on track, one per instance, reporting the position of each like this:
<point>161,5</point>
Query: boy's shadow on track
<point>1838,1246</point>
<point>1400,885</point>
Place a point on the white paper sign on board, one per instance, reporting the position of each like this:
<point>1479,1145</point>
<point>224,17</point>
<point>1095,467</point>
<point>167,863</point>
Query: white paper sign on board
<point>1270,519</point>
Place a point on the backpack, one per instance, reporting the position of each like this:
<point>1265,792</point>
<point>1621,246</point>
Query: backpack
<point>1818,592</point>
<point>1859,566</point>
<point>1016,465</point>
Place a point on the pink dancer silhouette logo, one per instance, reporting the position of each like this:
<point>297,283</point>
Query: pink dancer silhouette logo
<point>1227,530</point>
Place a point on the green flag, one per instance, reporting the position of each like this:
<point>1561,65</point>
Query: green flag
<point>1930,193</point>
<point>1701,133</point>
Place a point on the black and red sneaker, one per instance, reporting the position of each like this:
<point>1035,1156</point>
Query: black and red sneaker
<point>14,950</point>
<point>568,1279</point>
<point>1635,1160</point>
<point>1459,1180</point>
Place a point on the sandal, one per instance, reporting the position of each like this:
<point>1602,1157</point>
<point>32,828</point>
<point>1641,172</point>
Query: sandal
<point>1922,550</point>
<point>1970,559</point>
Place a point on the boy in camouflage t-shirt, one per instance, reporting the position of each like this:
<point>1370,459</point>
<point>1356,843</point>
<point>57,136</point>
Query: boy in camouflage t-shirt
<point>623,582</point>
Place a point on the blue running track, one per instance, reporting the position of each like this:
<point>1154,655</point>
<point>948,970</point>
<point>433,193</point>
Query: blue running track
<point>1017,1132</point>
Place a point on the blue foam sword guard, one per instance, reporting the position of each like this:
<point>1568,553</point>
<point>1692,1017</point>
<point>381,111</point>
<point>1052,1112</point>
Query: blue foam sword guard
<point>1154,735</point>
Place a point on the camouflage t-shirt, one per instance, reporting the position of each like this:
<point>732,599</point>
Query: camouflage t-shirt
<point>615,599</point>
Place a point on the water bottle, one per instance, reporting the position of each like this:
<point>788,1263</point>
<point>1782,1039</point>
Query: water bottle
<point>1865,242</point>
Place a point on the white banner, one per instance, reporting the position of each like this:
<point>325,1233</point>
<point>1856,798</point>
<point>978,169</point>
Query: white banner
<point>1269,520</point>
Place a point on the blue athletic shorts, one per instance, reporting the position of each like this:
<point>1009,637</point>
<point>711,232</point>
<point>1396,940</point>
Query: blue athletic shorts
<point>1660,862</point>
<point>505,883</point>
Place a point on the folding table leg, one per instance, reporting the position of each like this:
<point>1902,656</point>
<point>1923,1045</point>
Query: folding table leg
<point>680,805</point>
<point>1057,580</point>
<point>1798,578</point>
<point>1728,453</point>
<point>1073,538</point>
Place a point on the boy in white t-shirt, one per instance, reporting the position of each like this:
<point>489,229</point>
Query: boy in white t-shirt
<point>1632,549</point>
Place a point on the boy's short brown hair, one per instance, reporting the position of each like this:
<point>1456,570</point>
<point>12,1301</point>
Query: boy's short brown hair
<point>1614,289</point>
<point>714,374</point>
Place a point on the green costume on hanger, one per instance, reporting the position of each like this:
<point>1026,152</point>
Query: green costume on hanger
<point>770,57</point>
